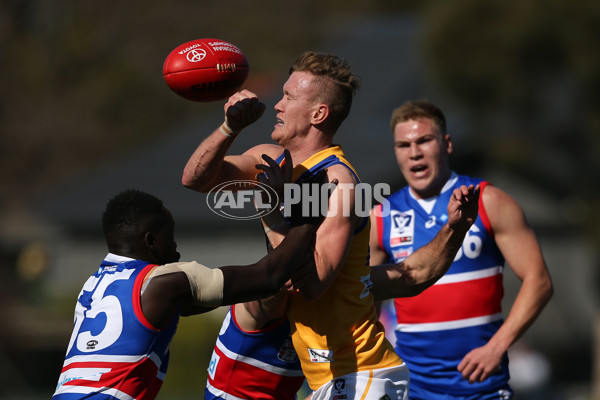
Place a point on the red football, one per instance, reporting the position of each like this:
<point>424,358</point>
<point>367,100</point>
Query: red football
<point>206,70</point>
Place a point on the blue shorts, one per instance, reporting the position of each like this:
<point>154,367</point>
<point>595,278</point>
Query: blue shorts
<point>419,393</point>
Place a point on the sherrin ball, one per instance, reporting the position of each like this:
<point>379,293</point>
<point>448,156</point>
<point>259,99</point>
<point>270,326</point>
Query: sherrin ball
<point>205,70</point>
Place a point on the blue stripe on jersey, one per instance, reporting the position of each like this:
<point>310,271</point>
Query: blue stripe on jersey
<point>325,163</point>
<point>433,356</point>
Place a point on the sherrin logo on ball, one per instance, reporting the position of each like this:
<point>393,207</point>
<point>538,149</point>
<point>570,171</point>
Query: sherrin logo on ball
<point>205,70</point>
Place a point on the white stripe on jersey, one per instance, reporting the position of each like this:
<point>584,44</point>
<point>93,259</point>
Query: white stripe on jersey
<point>442,326</point>
<point>104,358</point>
<point>470,276</point>
<point>256,363</point>
<point>155,358</point>
<point>88,389</point>
<point>89,374</point>
<point>220,393</point>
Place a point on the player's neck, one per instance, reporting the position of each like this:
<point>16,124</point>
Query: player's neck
<point>435,189</point>
<point>306,149</point>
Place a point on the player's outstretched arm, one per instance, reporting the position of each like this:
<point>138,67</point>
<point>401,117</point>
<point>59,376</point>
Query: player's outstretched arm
<point>267,276</point>
<point>429,263</point>
<point>208,165</point>
<point>194,288</point>
<point>258,314</point>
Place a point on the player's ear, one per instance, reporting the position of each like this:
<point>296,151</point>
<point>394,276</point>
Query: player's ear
<point>448,143</point>
<point>320,114</point>
<point>149,239</point>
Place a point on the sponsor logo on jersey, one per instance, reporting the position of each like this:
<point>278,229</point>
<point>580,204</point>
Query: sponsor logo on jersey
<point>320,356</point>
<point>212,366</point>
<point>287,353</point>
<point>400,255</point>
<point>91,344</point>
<point>430,223</point>
<point>401,240</point>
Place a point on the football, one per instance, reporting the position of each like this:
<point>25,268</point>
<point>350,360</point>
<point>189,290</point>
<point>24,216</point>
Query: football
<point>205,70</point>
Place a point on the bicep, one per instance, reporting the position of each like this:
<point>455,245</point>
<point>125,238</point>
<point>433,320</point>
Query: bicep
<point>513,235</point>
<point>333,239</point>
<point>163,295</point>
<point>243,166</point>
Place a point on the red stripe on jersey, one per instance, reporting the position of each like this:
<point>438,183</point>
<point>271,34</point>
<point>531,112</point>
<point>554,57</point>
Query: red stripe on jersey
<point>255,380</point>
<point>141,382</point>
<point>452,301</point>
<point>136,297</point>
<point>482,213</point>
<point>379,222</point>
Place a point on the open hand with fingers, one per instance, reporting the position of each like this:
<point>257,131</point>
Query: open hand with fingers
<point>463,207</point>
<point>274,175</point>
<point>310,203</point>
<point>299,210</point>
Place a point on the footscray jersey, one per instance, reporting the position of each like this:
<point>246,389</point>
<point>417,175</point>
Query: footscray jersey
<point>259,364</point>
<point>114,352</point>
<point>462,311</point>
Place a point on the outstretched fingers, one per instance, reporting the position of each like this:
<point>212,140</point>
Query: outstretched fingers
<point>463,206</point>
<point>273,175</point>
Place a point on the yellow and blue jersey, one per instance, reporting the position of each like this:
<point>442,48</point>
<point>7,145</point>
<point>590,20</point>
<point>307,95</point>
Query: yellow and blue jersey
<point>340,333</point>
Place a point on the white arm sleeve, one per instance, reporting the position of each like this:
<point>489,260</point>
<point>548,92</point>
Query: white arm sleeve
<point>206,283</point>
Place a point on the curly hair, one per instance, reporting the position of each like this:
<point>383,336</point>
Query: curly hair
<point>335,81</point>
<point>130,213</point>
<point>420,109</point>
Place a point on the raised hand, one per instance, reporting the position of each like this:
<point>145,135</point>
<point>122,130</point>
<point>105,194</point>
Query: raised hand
<point>242,109</point>
<point>301,213</point>
<point>276,176</point>
<point>463,207</point>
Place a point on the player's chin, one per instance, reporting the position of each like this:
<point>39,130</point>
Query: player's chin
<point>277,135</point>
<point>175,257</point>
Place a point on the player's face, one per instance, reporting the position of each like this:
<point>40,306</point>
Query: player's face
<point>295,109</point>
<point>422,154</point>
<point>166,247</point>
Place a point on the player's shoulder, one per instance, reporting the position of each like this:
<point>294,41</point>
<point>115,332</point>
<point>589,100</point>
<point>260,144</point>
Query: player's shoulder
<point>494,193</point>
<point>272,150</point>
<point>342,173</point>
<point>498,202</point>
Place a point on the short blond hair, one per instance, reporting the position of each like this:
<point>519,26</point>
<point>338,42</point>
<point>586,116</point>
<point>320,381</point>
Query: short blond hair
<point>335,81</point>
<point>420,109</point>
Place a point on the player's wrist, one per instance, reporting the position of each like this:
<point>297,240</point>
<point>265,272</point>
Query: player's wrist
<point>304,228</point>
<point>276,226</point>
<point>226,130</point>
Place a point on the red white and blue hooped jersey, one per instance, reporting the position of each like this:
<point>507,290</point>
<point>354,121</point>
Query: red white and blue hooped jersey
<point>462,311</point>
<point>258,364</point>
<point>114,352</point>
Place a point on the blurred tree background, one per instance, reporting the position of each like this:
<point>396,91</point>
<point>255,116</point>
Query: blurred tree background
<point>526,74</point>
<point>81,83</point>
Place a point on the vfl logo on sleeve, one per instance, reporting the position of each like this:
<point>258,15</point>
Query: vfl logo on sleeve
<point>320,356</point>
<point>339,390</point>
<point>402,230</point>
